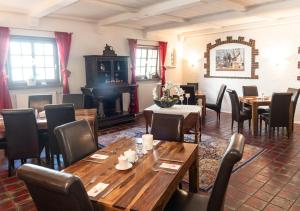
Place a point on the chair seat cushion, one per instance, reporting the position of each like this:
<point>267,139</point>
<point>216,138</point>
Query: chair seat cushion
<point>183,201</point>
<point>260,110</point>
<point>211,106</point>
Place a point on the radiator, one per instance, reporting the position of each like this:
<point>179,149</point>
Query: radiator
<point>20,100</point>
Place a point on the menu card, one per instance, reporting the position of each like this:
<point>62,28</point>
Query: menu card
<point>99,156</point>
<point>170,166</point>
<point>97,189</point>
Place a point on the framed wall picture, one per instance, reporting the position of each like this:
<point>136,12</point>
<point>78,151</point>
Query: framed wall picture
<point>231,59</point>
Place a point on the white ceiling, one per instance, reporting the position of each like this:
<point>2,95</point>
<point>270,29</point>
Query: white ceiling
<point>184,16</point>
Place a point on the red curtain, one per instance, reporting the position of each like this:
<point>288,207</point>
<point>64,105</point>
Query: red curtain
<point>5,101</point>
<point>63,41</point>
<point>162,57</point>
<point>132,47</point>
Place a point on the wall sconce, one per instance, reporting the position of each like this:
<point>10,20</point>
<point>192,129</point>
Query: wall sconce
<point>193,59</point>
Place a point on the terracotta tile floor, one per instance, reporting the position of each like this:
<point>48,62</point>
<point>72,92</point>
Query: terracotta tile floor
<point>270,182</point>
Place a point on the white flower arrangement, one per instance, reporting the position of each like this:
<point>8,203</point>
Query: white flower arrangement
<point>166,91</point>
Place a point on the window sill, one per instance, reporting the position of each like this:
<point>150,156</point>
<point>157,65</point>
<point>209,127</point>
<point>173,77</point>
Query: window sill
<point>149,80</point>
<point>16,87</point>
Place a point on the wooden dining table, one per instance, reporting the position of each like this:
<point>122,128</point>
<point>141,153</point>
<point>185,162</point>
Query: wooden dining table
<point>145,186</point>
<point>192,117</point>
<point>88,114</point>
<point>255,102</point>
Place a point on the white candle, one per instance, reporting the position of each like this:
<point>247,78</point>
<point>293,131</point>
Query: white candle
<point>147,141</point>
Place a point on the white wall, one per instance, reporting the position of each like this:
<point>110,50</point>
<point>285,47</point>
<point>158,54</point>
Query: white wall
<point>278,57</point>
<point>85,40</point>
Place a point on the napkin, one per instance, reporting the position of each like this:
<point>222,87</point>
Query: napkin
<point>97,189</point>
<point>170,166</point>
<point>42,114</point>
<point>99,156</point>
<point>155,142</point>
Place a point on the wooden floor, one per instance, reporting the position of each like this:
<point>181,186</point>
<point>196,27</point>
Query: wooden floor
<point>270,182</point>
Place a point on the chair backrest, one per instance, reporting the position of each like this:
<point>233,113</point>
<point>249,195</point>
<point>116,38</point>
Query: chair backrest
<point>295,97</point>
<point>235,105</point>
<point>167,127</point>
<point>58,115</point>
<point>196,85</point>
<point>39,101</point>
<point>21,133</point>
<point>221,95</point>
<point>191,90</point>
<point>54,190</point>
<point>232,155</point>
<point>280,109</point>
<point>76,99</point>
<point>75,141</point>
<point>250,91</point>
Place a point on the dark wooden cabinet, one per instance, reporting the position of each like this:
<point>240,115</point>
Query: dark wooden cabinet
<point>106,69</point>
<point>106,81</point>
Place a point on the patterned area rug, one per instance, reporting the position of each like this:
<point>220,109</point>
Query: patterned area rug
<point>14,194</point>
<point>211,150</point>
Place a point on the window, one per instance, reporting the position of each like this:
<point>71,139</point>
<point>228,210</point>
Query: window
<point>32,60</point>
<point>147,63</point>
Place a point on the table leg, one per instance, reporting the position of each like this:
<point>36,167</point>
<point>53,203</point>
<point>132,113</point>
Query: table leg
<point>194,174</point>
<point>203,114</point>
<point>254,119</point>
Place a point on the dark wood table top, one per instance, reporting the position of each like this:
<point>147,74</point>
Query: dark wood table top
<point>88,114</point>
<point>142,187</point>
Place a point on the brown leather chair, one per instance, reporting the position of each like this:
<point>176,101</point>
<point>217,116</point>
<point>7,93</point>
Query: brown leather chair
<point>237,114</point>
<point>167,127</point>
<point>279,112</point>
<point>57,115</point>
<point>53,190</point>
<point>22,136</point>
<point>183,201</point>
<point>196,85</point>
<point>76,99</point>
<point>39,101</point>
<point>75,140</point>
<point>218,105</point>
<point>250,91</point>
<point>295,97</point>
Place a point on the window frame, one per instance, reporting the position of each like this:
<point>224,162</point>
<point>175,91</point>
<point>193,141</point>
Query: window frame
<point>39,83</point>
<point>158,66</point>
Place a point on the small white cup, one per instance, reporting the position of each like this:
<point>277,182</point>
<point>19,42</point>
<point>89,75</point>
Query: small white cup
<point>131,155</point>
<point>147,141</point>
<point>123,162</point>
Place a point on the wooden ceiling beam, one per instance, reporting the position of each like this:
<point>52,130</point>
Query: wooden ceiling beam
<point>47,7</point>
<point>255,11</point>
<point>149,11</point>
<point>110,5</point>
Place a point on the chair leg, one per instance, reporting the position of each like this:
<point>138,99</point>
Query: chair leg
<point>270,131</point>
<point>58,160</point>
<point>260,125</point>
<point>52,160</point>
<point>288,132</point>
<point>39,161</point>
<point>10,166</point>
<point>249,124</point>
<point>232,124</point>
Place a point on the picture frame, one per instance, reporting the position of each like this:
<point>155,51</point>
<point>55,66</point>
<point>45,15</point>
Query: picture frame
<point>231,59</point>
